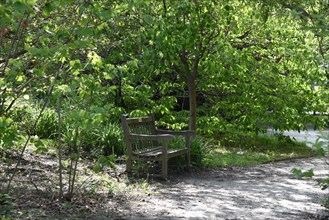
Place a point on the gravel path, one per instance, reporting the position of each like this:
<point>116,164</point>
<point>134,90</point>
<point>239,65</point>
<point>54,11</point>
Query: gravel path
<point>267,191</point>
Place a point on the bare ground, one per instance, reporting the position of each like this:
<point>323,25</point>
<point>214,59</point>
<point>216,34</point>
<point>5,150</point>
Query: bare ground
<point>267,191</point>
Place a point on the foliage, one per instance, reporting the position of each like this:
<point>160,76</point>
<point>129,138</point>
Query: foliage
<point>300,173</point>
<point>100,135</point>
<point>322,145</point>
<point>198,147</point>
<point>104,161</point>
<point>8,134</point>
<point>6,204</point>
<point>233,62</point>
<point>109,139</point>
<point>174,121</point>
<point>47,125</point>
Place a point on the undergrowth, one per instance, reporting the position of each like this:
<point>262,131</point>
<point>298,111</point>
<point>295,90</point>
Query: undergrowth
<point>240,149</point>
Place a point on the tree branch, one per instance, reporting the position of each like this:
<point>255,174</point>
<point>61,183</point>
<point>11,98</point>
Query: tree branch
<point>184,60</point>
<point>164,8</point>
<point>17,54</point>
<point>301,11</point>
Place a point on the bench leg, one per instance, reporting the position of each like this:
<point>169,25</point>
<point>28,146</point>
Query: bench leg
<point>188,160</point>
<point>164,170</point>
<point>128,165</point>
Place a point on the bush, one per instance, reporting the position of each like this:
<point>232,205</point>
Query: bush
<point>25,114</point>
<point>22,115</point>
<point>109,138</point>
<point>6,204</point>
<point>99,135</point>
<point>8,134</point>
<point>198,147</point>
<point>47,124</point>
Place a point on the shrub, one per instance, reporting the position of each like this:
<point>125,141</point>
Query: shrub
<point>8,134</point>
<point>22,115</point>
<point>25,115</point>
<point>109,138</point>
<point>100,136</point>
<point>198,147</point>
<point>47,124</point>
<point>6,204</point>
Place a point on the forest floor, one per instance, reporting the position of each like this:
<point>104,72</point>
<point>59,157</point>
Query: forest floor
<point>266,191</point>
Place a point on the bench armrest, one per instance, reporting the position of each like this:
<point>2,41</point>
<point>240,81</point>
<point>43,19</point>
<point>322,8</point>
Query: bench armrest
<point>187,134</point>
<point>147,137</point>
<point>182,133</point>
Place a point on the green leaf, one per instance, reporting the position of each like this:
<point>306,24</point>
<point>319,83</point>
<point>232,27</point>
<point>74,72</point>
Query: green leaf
<point>296,171</point>
<point>5,17</point>
<point>95,59</point>
<point>64,89</point>
<point>106,14</point>
<point>20,78</point>
<point>48,9</point>
<point>148,19</point>
<point>41,148</point>
<point>86,31</point>
<point>324,183</point>
<point>107,76</point>
<point>37,52</point>
<point>21,7</point>
<point>66,2</point>
<point>300,173</point>
<point>131,5</point>
<point>75,64</point>
<point>309,173</point>
<point>26,97</point>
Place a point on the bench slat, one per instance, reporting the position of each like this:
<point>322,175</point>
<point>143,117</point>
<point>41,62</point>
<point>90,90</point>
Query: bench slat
<point>156,152</point>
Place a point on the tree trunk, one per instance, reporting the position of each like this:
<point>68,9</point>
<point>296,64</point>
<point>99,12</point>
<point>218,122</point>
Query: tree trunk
<point>192,101</point>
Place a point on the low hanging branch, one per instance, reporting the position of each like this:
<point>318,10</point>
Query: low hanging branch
<point>15,55</point>
<point>59,146</point>
<point>50,91</point>
<point>14,44</point>
<point>13,47</point>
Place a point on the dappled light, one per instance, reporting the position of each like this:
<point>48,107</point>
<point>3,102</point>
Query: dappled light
<point>263,192</point>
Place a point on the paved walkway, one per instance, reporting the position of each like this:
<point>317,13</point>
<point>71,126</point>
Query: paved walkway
<point>309,136</point>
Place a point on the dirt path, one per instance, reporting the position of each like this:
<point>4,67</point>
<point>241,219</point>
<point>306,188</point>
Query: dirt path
<point>267,191</point>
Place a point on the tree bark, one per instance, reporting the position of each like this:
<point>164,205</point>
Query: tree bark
<point>192,101</point>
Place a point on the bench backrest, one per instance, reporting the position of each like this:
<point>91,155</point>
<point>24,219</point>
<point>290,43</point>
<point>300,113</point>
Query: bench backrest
<point>138,125</point>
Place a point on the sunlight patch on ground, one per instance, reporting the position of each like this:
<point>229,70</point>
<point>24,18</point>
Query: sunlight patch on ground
<point>257,195</point>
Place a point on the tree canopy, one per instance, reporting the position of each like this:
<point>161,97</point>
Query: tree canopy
<point>209,65</point>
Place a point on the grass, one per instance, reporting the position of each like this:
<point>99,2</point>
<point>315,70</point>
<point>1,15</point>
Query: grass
<point>245,150</point>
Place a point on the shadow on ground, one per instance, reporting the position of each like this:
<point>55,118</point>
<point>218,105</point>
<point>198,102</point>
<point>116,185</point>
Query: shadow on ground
<point>267,191</point>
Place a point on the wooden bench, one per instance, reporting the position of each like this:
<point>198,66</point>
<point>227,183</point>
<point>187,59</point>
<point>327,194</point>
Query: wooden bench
<point>144,142</point>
